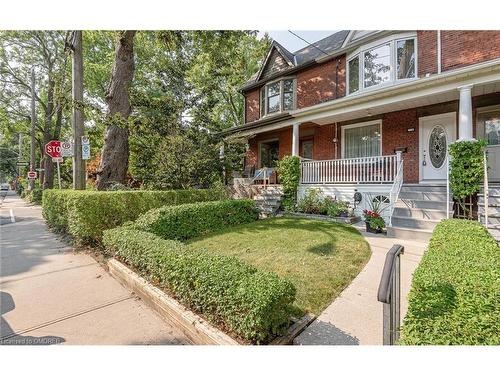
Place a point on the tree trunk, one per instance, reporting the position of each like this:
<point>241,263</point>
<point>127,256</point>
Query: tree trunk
<point>114,159</point>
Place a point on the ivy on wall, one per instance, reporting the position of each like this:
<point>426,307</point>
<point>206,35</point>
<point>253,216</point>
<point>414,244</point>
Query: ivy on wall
<point>289,174</point>
<point>466,168</point>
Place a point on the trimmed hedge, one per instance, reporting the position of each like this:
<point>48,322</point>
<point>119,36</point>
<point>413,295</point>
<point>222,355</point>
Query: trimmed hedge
<point>251,303</point>
<point>192,220</point>
<point>455,295</point>
<point>86,214</point>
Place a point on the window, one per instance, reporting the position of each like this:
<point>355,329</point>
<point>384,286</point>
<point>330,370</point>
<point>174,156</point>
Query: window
<point>307,149</point>
<point>377,65</point>
<point>406,58</point>
<point>269,154</point>
<point>277,97</point>
<point>488,121</point>
<point>388,62</point>
<point>354,75</point>
<point>361,140</point>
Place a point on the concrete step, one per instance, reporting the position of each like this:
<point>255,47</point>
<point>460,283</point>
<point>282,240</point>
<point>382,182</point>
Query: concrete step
<point>420,213</point>
<point>259,199</point>
<point>425,204</point>
<point>412,223</point>
<point>423,235</point>
<point>493,220</point>
<point>492,199</point>
<point>424,188</point>
<point>423,195</point>
<point>493,190</point>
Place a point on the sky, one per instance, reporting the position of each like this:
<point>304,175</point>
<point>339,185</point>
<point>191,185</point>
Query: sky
<point>291,42</point>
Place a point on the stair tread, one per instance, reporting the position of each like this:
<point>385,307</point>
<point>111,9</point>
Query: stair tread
<point>413,229</point>
<point>414,218</point>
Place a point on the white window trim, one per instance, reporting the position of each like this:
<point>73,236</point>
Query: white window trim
<point>393,80</point>
<point>281,110</point>
<point>359,125</point>
<point>481,134</point>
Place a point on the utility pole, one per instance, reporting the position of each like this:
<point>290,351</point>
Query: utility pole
<point>33,125</point>
<point>78,162</point>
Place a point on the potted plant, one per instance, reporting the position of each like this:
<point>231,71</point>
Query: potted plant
<point>374,222</point>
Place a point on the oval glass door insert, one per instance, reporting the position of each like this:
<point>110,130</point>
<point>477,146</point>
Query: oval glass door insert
<point>437,146</point>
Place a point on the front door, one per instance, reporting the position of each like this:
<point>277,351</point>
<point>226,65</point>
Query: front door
<point>436,134</point>
<point>488,127</point>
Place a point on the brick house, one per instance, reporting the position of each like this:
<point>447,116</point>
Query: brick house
<point>374,112</point>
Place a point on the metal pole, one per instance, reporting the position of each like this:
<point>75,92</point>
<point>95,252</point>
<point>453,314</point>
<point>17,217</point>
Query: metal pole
<point>58,174</point>
<point>447,187</point>
<point>33,124</point>
<point>78,162</point>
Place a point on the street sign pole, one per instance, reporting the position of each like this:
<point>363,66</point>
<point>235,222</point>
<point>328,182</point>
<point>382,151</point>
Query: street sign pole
<point>58,174</point>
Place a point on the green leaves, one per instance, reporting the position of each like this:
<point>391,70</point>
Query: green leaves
<point>253,304</point>
<point>455,292</point>
<point>192,220</point>
<point>86,214</point>
<point>467,169</point>
<point>289,175</point>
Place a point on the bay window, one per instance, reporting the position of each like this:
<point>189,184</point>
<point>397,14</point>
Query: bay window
<point>389,61</point>
<point>361,140</point>
<point>277,97</point>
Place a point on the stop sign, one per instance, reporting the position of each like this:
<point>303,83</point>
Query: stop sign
<point>53,149</point>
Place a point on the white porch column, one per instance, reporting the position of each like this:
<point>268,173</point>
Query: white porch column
<point>295,139</point>
<point>465,114</point>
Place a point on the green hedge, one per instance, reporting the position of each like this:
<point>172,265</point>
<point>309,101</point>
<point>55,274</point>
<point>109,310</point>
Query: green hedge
<point>32,196</point>
<point>86,214</point>
<point>192,220</point>
<point>251,303</point>
<point>455,295</point>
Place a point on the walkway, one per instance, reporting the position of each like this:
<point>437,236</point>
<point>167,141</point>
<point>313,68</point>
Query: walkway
<point>50,294</point>
<point>355,317</point>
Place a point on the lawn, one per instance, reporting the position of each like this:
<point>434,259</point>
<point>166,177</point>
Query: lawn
<point>320,258</point>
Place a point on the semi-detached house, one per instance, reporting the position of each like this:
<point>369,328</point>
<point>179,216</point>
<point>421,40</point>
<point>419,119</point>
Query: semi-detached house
<point>374,112</point>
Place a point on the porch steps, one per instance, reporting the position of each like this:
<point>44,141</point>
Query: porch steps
<point>418,210</point>
<point>493,210</point>
<point>268,200</point>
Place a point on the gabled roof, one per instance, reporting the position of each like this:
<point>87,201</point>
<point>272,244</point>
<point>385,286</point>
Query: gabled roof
<point>286,54</point>
<point>301,57</point>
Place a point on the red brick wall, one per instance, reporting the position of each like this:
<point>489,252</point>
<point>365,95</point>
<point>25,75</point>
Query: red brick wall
<point>252,105</point>
<point>427,52</point>
<point>461,47</point>
<point>323,147</point>
<point>317,84</point>
<point>395,134</point>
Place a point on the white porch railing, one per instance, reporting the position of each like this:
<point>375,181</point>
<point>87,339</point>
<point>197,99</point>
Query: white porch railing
<point>396,189</point>
<point>371,170</point>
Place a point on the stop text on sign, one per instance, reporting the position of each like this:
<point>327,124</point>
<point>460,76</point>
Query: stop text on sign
<point>53,149</point>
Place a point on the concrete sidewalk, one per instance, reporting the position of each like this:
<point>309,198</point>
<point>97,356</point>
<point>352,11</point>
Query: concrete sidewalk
<point>355,317</point>
<point>50,294</point>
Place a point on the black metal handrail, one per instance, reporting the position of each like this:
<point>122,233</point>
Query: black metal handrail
<point>389,294</point>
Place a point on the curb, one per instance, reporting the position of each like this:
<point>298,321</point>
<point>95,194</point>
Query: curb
<point>197,329</point>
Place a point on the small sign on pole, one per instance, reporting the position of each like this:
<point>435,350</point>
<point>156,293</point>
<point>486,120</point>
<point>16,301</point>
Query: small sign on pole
<point>66,149</point>
<point>32,175</point>
<point>85,151</point>
<point>22,163</point>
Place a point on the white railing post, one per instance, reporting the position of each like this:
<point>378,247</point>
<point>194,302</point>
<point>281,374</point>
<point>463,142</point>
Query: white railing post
<point>447,186</point>
<point>486,189</point>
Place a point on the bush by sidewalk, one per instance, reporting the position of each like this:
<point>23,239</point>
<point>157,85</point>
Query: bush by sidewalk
<point>455,292</point>
<point>33,196</point>
<point>192,220</point>
<point>253,304</point>
<point>86,214</point>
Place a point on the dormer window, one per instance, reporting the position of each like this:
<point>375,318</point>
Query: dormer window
<point>384,62</point>
<point>277,96</point>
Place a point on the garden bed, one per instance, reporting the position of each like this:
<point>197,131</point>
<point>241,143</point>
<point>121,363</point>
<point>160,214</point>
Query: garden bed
<point>339,219</point>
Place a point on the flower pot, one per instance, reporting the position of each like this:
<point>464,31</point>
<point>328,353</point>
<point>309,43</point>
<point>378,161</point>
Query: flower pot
<point>369,229</point>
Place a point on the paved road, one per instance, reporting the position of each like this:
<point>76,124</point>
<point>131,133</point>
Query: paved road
<point>51,294</point>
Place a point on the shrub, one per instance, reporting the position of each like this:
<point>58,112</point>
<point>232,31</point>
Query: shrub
<point>289,174</point>
<point>311,202</point>
<point>193,220</point>
<point>456,289</point>
<point>86,214</point>
<point>251,303</point>
<point>338,208</point>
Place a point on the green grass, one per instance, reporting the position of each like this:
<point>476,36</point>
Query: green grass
<point>319,258</point>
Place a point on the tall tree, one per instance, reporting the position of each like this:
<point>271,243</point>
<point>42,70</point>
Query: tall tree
<point>115,153</point>
<point>20,51</point>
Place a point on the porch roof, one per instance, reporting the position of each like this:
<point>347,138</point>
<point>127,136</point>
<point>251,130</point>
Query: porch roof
<point>435,89</point>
